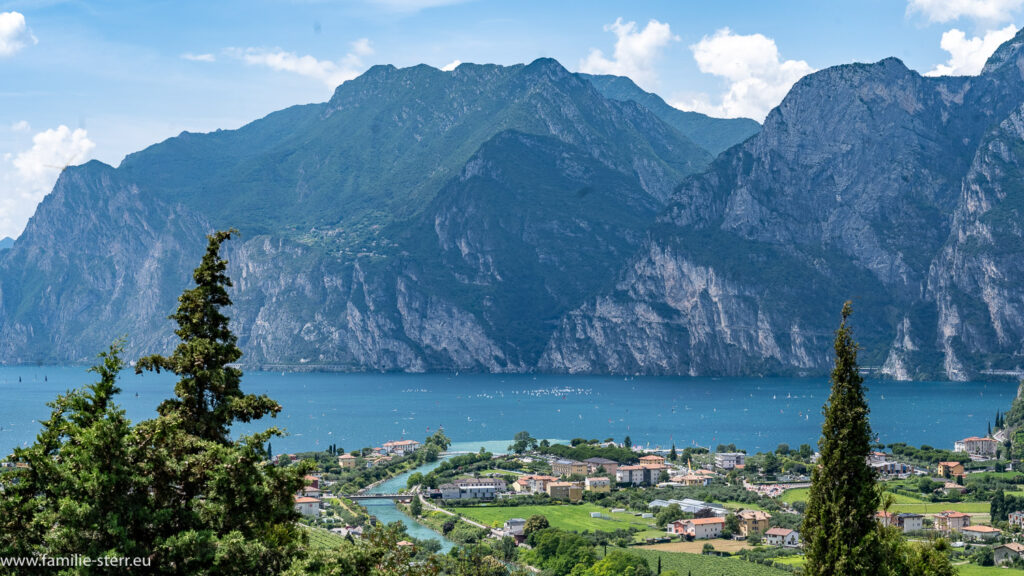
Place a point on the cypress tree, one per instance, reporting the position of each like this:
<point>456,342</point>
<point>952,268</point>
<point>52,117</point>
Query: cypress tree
<point>839,525</point>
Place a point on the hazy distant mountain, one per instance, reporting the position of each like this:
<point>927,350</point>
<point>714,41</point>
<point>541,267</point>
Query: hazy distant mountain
<point>715,135</point>
<point>525,218</point>
<point>6,243</point>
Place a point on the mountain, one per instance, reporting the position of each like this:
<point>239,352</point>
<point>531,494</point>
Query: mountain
<point>715,135</point>
<point>868,182</point>
<point>525,218</point>
<point>419,220</point>
<point>6,243</point>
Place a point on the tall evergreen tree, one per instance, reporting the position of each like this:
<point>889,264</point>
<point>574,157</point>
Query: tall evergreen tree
<point>839,527</point>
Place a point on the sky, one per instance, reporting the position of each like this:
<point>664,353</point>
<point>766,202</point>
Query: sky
<point>83,80</point>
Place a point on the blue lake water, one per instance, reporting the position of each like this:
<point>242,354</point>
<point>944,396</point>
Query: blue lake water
<point>356,410</point>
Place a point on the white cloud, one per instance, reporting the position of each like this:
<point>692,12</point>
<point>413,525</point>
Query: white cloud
<point>34,172</point>
<point>758,79</point>
<point>635,51</point>
<point>199,57</point>
<point>329,72</point>
<point>991,11</point>
<point>967,56</point>
<point>14,33</point>
<point>21,126</point>
<point>451,65</point>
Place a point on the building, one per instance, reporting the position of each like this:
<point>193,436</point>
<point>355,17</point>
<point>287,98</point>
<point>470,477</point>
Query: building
<point>782,537</point>
<point>598,484</point>
<point>980,533</point>
<point>467,488</point>
<point>534,483</point>
<point>310,491</point>
<point>594,464</point>
<point>347,461</point>
<point>307,506</point>
<point>1007,553</point>
<point>949,521</point>
<point>691,506</point>
<point>886,518</point>
<point>891,468</point>
<point>753,521</point>
<point>977,448</point>
<point>951,469</point>
<point>568,468</point>
<point>313,481</point>
<point>1016,518</point>
<point>730,460</point>
<point>515,526</point>
<point>690,480</point>
<point>698,528</point>
<point>570,491</point>
<point>401,447</point>
<point>910,522</point>
<point>652,459</point>
<point>640,474</point>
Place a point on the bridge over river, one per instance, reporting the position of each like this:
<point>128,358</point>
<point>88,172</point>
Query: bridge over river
<point>395,497</point>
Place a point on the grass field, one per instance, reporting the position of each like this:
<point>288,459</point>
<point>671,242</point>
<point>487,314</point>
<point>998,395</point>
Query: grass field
<point>320,539</point>
<point>975,570</point>
<point>795,495</point>
<point>904,503</point>
<point>566,517</point>
<point>734,505</point>
<point>697,565</point>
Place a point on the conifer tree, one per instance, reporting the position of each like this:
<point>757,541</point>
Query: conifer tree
<point>839,527</point>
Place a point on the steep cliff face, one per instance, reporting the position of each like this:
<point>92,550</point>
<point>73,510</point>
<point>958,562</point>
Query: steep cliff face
<point>868,182</point>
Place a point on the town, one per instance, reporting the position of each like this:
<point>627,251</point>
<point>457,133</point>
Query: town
<point>691,509</point>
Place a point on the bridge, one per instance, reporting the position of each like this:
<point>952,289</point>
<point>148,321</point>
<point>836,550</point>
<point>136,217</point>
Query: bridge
<point>395,497</point>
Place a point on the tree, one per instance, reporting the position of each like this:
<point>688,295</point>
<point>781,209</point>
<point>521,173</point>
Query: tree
<point>839,523</point>
<point>668,514</point>
<point>416,507</point>
<point>523,442</point>
<point>212,504</point>
<point>627,442</point>
<point>535,523</point>
<point>620,563</point>
<point>806,451</point>
<point>673,456</point>
<point>78,493</point>
<point>782,449</point>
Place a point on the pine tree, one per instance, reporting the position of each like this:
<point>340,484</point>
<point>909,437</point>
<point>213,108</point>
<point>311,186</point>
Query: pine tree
<point>839,526</point>
<point>672,455</point>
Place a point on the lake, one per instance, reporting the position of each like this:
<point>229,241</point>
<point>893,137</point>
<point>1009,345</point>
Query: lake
<point>356,410</point>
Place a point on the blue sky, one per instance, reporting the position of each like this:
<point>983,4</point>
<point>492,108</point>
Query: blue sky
<point>82,80</point>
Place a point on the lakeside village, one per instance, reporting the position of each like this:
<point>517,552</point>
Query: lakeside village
<point>697,510</point>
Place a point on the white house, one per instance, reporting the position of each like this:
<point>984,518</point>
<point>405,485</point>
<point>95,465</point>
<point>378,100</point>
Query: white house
<point>698,528</point>
<point>401,447</point>
<point>782,537</point>
<point>730,460</point>
<point>307,506</point>
<point>910,522</point>
<point>978,448</point>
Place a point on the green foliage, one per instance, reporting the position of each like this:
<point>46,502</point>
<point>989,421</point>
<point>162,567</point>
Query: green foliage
<point>523,442</point>
<point>619,563</point>
<point>668,514</point>
<point>842,501</point>
<point>582,452</point>
<point>415,507</point>
<point>559,552</point>
<point>535,523</point>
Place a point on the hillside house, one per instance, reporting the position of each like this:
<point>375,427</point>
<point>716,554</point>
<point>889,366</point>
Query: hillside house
<point>595,464</point>
<point>598,484</point>
<point>980,533</point>
<point>782,537</point>
<point>307,506</point>
<point>1007,553</point>
<point>753,521</point>
<point>565,467</point>
<point>401,447</point>
<point>698,528</point>
<point>950,521</point>
<point>977,448</point>
<point>347,461</point>
<point>730,460</point>
<point>571,491</point>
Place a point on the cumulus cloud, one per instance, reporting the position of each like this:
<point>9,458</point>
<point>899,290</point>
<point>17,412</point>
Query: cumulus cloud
<point>635,51</point>
<point>199,57</point>
<point>758,78</point>
<point>329,72</point>
<point>21,126</point>
<point>967,56</point>
<point>30,175</point>
<point>451,65</point>
<point>14,33</point>
<point>991,11</point>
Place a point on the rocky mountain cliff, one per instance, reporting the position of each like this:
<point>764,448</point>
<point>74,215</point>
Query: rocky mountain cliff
<point>419,220</point>
<point>525,218</point>
<point>869,182</point>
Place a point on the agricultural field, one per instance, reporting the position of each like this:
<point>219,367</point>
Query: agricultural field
<point>904,503</point>
<point>795,495</point>
<point>975,570</point>
<point>320,539</point>
<point>567,517</point>
<point>736,505</point>
<point>697,546</point>
<point>698,565</point>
